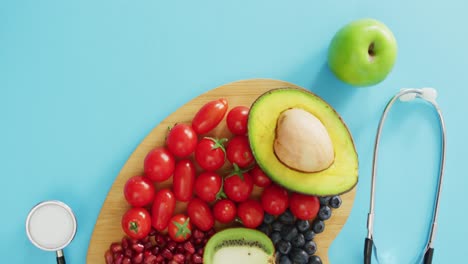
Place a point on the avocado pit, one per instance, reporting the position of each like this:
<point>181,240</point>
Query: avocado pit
<point>302,141</point>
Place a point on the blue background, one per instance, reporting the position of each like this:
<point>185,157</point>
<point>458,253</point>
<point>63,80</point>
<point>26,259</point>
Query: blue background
<point>83,82</point>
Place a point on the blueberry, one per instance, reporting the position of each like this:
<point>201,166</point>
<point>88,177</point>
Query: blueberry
<point>302,225</point>
<point>314,260</point>
<point>318,226</point>
<point>284,260</point>
<point>277,226</point>
<point>286,218</point>
<point>324,213</point>
<point>268,218</point>
<point>324,200</point>
<point>310,247</point>
<point>335,202</point>
<point>288,232</point>
<point>283,247</point>
<point>298,256</point>
<point>275,237</point>
<point>265,229</point>
<point>298,241</point>
<point>309,235</point>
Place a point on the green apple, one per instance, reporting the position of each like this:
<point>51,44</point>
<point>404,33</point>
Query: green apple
<point>362,53</point>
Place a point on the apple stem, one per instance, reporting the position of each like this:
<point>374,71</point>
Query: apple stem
<point>370,50</point>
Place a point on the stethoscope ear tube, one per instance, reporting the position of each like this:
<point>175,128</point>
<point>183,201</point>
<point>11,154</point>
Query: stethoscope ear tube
<point>428,94</point>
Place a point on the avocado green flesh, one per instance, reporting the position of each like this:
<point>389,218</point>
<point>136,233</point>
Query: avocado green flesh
<point>238,245</point>
<point>339,178</point>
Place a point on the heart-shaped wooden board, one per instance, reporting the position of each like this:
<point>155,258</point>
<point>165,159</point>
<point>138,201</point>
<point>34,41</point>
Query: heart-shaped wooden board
<point>108,225</point>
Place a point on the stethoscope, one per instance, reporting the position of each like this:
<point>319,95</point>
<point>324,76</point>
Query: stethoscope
<point>405,95</point>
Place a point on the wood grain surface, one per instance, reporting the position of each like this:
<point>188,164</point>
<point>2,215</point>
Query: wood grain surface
<point>108,228</point>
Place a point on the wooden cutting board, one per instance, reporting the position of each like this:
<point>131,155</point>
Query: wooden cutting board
<point>108,228</point>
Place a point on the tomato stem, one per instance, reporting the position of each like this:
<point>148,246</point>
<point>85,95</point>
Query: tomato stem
<point>182,229</point>
<point>237,171</point>
<point>133,226</point>
<point>219,143</point>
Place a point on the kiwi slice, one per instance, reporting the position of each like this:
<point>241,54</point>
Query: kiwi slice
<point>239,245</point>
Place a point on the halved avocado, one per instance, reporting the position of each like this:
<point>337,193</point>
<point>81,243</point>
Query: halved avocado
<point>239,245</point>
<point>338,178</point>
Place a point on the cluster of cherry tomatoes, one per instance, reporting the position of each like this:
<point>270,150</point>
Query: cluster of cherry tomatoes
<point>195,162</point>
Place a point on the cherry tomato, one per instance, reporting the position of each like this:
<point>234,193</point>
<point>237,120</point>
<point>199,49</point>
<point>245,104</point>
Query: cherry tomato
<point>179,228</point>
<point>303,206</point>
<point>238,151</point>
<point>136,222</point>
<point>159,164</point>
<point>209,116</point>
<point>274,199</point>
<point>139,191</point>
<point>259,177</point>
<point>208,185</point>
<point>238,189</point>
<point>162,209</point>
<point>250,213</point>
<point>210,154</point>
<point>224,211</point>
<point>181,140</point>
<point>183,180</point>
<point>200,214</point>
<point>236,120</point>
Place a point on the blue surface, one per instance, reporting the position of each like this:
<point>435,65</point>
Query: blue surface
<point>83,82</point>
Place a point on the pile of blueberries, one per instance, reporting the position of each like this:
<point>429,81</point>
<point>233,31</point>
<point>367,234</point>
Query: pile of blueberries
<point>294,238</point>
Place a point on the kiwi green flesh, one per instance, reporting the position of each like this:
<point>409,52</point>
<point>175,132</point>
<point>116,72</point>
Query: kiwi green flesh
<point>239,245</point>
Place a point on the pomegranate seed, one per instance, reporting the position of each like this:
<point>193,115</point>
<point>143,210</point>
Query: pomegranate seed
<point>128,253</point>
<point>188,246</point>
<point>145,239</point>
<point>138,258</point>
<point>148,245</point>
<point>109,258</point>
<point>160,240</point>
<point>126,261</point>
<point>116,247</point>
<point>197,259</point>
<point>138,247</point>
<point>179,258</point>
<point>150,259</point>
<point>118,258</point>
<point>200,251</point>
<point>198,241</point>
<point>155,250</point>
<point>171,245</point>
<point>125,242</point>
<point>159,258</point>
<point>198,234</point>
<point>134,240</point>
<point>173,262</point>
<point>166,253</point>
<point>153,232</point>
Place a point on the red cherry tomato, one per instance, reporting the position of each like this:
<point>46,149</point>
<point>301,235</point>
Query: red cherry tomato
<point>159,164</point>
<point>136,222</point>
<point>200,214</point>
<point>180,228</point>
<point>224,211</point>
<point>238,189</point>
<point>162,209</point>
<point>183,180</point>
<point>207,186</point>
<point>210,154</point>
<point>259,177</point>
<point>274,199</point>
<point>238,151</point>
<point>139,191</point>
<point>250,213</point>
<point>236,120</point>
<point>303,206</point>
<point>181,140</point>
<point>209,116</point>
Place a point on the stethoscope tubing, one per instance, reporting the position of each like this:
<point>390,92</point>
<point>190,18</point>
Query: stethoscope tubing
<point>429,249</point>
